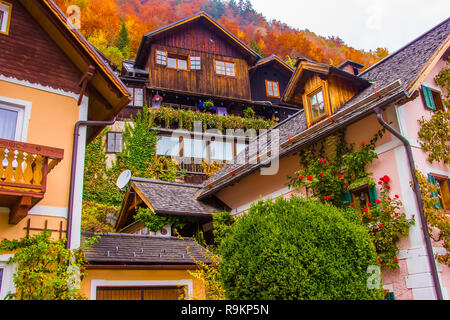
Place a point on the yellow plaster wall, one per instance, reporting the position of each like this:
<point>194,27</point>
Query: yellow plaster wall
<point>52,120</point>
<point>139,275</point>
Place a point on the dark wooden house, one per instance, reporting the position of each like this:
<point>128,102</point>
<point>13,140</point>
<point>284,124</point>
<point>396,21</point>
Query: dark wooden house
<point>196,59</point>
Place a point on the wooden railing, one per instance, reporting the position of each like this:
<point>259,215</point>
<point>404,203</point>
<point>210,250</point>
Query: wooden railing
<point>23,172</point>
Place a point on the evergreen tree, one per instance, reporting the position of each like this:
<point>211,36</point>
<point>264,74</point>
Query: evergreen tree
<point>123,40</point>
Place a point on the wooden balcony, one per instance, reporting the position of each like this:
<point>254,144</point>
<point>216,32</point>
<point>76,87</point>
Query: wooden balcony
<point>23,175</point>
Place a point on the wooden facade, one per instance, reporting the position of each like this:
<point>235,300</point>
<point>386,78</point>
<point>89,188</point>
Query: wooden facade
<point>203,81</point>
<point>273,71</point>
<point>331,87</point>
<point>25,45</point>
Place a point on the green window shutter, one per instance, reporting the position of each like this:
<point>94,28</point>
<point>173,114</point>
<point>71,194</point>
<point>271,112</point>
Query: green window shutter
<point>428,97</point>
<point>373,196</point>
<point>432,180</point>
<point>346,199</point>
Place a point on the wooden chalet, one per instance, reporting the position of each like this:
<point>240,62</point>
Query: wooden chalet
<point>192,61</point>
<point>196,59</point>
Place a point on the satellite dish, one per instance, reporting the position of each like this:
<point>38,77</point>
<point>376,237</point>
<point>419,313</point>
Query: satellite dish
<point>123,179</point>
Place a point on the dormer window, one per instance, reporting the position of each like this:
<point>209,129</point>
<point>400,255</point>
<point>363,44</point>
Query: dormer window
<point>5,17</point>
<point>316,104</point>
<point>272,89</point>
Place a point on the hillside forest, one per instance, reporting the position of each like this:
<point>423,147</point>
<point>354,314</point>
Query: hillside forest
<point>116,27</point>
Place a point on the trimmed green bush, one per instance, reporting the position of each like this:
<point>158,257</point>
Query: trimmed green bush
<point>297,249</point>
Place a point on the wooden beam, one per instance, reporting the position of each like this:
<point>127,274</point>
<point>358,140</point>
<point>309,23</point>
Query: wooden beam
<point>20,210</point>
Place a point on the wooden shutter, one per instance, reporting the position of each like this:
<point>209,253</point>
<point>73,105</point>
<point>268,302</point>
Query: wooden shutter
<point>432,180</point>
<point>140,293</point>
<point>346,199</point>
<point>428,98</point>
<point>373,196</point>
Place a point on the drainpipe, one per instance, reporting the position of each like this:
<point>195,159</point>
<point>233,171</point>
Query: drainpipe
<point>76,135</point>
<point>418,195</point>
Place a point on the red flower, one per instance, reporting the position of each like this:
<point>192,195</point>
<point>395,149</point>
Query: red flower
<point>363,143</point>
<point>329,197</point>
<point>369,216</point>
<point>389,199</point>
<point>395,259</point>
<point>352,204</point>
<point>380,225</point>
<point>380,182</point>
<point>379,261</point>
<point>309,178</point>
<point>321,174</point>
<point>340,176</point>
<point>365,210</point>
<point>396,196</point>
<point>324,197</point>
<point>388,187</point>
<point>396,214</point>
<point>377,201</point>
<point>386,179</point>
<point>320,179</point>
<point>301,177</point>
<point>369,204</point>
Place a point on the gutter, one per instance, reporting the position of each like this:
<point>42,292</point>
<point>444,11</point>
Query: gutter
<point>417,193</point>
<point>76,135</point>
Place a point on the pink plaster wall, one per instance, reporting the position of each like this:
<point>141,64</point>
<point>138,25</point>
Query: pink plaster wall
<point>254,186</point>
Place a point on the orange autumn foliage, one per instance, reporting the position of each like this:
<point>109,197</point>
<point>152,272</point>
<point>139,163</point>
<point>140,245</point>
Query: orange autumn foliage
<point>102,19</point>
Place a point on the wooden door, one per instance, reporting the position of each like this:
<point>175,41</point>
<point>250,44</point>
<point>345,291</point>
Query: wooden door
<point>140,293</point>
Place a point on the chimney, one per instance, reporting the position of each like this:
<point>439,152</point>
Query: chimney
<point>351,67</point>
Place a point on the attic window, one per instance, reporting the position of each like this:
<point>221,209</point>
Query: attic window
<point>272,89</point>
<point>177,61</point>
<point>5,17</point>
<point>225,68</point>
<point>161,57</point>
<point>195,63</point>
<point>316,104</point>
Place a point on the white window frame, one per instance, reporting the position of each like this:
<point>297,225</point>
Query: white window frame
<point>7,283</point>
<point>23,108</point>
<point>195,63</point>
<point>161,57</point>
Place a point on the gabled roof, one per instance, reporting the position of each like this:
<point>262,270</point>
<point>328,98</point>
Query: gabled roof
<point>392,79</point>
<point>108,94</point>
<point>130,249</point>
<point>273,59</point>
<point>201,16</point>
<point>167,198</point>
<point>306,67</point>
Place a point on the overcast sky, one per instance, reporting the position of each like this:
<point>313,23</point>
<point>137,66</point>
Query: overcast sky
<point>362,24</point>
